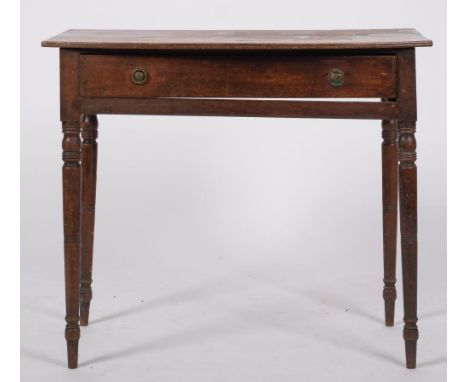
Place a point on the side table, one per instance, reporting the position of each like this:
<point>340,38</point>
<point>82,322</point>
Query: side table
<point>238,73</point>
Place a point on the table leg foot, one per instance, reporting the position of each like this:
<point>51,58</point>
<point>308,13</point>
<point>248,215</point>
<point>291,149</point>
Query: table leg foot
<point>72,336</point>
<point>389,312</point>
<point>410,336</point>
<point>84,311</point>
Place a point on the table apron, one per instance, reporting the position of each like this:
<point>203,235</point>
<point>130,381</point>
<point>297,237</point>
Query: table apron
<point>240,108</point>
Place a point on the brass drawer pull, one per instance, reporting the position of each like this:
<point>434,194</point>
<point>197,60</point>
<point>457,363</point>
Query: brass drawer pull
<point>336,77</point>
<point>139,76</point>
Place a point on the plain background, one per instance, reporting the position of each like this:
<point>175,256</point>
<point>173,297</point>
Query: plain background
<point>216,237</point>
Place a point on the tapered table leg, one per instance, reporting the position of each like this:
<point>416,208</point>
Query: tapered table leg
<point>390,214</point>
<point>71,176</point>
<point>89,133</point>
<point>408,227</point>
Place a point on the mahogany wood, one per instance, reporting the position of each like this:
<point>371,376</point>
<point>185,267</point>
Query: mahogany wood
<point>280,76</point>
<point>71,173</point>
<point>71,178</point>
<point>241,108</point>
<point>406,100</point>
<point>390,213</point>
<point>200,40</point>
<point>89,133</point>
<point>211,73</point>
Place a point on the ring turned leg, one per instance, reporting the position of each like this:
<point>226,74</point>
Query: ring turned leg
<point>71,176</point>
<point>89,133</point>
<point>389,204</point>
<point>408,227</point>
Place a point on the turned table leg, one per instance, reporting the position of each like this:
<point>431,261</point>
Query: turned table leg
<point>71,176</point>
<point>390,207</point>
<point>408,227</point>
<point>89,133</point>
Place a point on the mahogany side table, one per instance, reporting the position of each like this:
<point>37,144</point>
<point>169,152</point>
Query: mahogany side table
<point>238,73</point>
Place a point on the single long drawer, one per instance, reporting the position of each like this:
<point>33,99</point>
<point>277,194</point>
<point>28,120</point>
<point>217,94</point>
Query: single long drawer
<point>278,76</point>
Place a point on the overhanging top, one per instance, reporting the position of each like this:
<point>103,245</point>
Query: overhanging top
<point>238,40</point>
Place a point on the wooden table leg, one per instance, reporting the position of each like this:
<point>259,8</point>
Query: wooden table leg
<point>71,176</point>
<point>390,214</point>
<point>408,227</point>
<point>89,133</point>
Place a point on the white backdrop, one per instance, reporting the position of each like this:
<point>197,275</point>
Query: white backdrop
<point>216,237</point>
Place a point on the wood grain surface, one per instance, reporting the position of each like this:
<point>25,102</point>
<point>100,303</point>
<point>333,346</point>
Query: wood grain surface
<point>238,40</point>
<point>278,76</point>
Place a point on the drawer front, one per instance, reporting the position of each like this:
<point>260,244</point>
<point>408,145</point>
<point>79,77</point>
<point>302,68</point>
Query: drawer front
<point>261,76</point>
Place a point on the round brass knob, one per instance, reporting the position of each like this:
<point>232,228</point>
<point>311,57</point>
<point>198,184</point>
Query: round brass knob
<point>139,76</point>
<point>336,77</point>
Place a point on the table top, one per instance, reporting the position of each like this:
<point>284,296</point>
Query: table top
<point>238,40</point>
